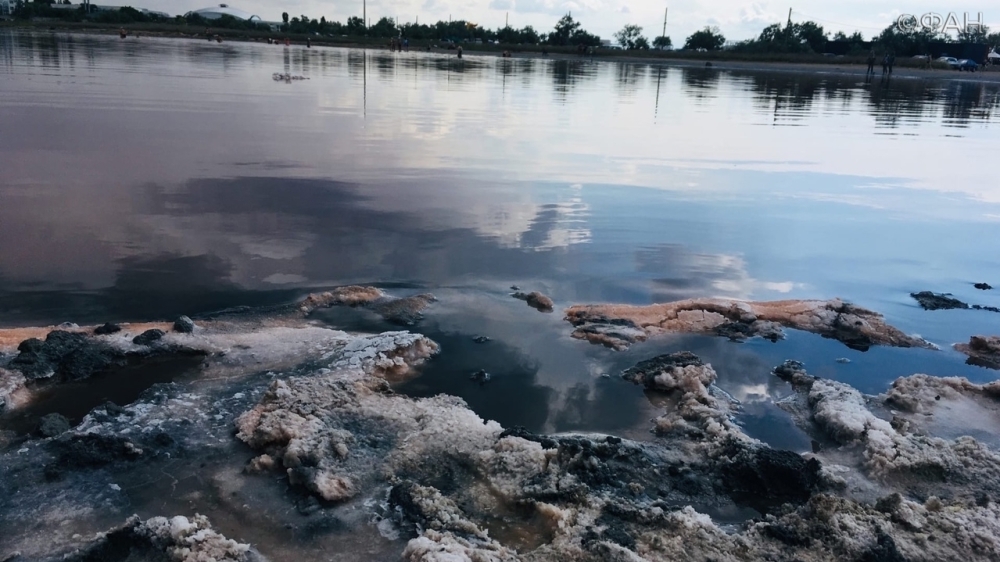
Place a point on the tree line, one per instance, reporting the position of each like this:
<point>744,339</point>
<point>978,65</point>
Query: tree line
<point>810,37</point>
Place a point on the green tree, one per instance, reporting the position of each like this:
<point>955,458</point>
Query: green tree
<point>385,27</point>
<point>811,34</point>
<point>284,17</point>
<point>974,34</point>
<point>629,36</point>
<point>710,39</point>
<point>565,28</point>
<point>355,26</point>
<point>663,42</point>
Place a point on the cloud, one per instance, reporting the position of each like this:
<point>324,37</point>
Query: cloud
<point>624,10</point>
<point>757,13</point>
<point>501,4</point>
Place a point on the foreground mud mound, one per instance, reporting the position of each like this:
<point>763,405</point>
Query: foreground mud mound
<point>177,539</point>
<point>618,326</point>
<point>292,436</point>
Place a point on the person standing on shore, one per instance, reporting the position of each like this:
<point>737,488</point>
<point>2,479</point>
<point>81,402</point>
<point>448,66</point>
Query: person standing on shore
<point>892,62</point>
<point>885,64</point>
<point>459,51</point>
<point>871,63</point>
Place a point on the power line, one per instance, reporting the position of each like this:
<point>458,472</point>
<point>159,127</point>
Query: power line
<point>847,25</point>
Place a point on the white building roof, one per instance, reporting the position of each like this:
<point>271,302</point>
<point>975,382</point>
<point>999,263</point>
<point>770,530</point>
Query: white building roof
<point>217,12</point>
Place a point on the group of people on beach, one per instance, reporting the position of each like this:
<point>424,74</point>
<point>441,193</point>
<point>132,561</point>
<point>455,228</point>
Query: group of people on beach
<point>399,44</point>
<point>888,61</point>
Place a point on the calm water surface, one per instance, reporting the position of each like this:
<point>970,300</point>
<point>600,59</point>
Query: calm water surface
<point>148,178</point>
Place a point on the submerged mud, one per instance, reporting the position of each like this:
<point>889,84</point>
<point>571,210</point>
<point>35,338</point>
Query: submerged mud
<point>619,326</point>
<point>983,351</point>
<point>291,444</point>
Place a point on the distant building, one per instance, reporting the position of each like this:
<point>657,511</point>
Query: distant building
<point>7,7</point>
<point>217,12</point>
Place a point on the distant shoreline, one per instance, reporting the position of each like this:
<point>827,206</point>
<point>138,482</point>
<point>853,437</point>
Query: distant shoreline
<point>840,66</point>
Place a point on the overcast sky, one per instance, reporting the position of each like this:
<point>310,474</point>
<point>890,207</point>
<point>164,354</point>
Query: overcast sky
<point>738,19</point>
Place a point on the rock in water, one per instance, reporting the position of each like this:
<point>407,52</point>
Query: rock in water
<point>53,424</point>
<point>983,351</point>
<point>481,376</point>
<point>184,325</point>
<point>149,337</point>
<point>108,328</point>
<point>480,339</point>
<point>619,326</point>
<point>936,301</point>
<point>536,300</point>
<point>983,286</point>
<point>67,356</point>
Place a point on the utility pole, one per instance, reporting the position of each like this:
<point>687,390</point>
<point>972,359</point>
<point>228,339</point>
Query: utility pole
<point>364,15</point>
<point>664,34</point>
<point>789,18</point>
<point>506,19</point>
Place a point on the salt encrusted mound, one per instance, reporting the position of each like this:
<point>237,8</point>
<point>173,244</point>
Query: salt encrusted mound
<point>178,539</point>
<point>697,412</point>
<point>983,351</point>
<point>404,311</point>
<point>903,451</point>
<point>618,326</point>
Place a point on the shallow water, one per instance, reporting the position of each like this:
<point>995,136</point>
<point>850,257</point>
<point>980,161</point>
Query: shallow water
<point>148,178</point>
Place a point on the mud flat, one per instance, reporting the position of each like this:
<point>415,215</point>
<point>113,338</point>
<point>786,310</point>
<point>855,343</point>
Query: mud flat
<point>291,444</point>
<point>619,326</point>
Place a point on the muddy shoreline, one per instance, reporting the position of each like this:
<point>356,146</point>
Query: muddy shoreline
<point>716,62</point>
<point>288,441</point>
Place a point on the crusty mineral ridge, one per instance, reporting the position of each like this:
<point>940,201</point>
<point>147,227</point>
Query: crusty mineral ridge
<point>925,436</point>
<point>982,350</point>
<point>602,498</point>
<point>178,539</point>
<point>618,326</point>
<point>403,311</point>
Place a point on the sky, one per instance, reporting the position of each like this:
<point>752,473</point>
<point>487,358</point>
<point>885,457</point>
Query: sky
<point>737,19</point>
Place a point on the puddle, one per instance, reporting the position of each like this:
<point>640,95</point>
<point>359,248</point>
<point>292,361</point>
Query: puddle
<point>121,386</point>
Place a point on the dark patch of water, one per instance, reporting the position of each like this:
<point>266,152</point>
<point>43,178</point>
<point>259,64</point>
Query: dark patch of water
<point>120,386</point>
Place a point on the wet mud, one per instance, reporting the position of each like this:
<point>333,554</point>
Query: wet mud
<point>618,326</point>
<point>290,442</point>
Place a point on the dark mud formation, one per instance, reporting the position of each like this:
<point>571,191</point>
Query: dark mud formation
<point>65,356</point>
<point>940,301</point>
<point>983,351</point>
<point>184,325</point>
<point>108,328</point>
<point>406,311</point>
<point>149,337</point>
<point>536,300</point>
<point>766,479</point>
<point>937,301</point>
<point>645,372</point>
<point>983,286</point>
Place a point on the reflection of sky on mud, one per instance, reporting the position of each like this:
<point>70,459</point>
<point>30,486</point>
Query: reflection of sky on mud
<point>144,179</point>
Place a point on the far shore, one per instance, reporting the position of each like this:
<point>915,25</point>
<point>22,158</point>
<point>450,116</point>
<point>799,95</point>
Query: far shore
<point>720,60</point>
